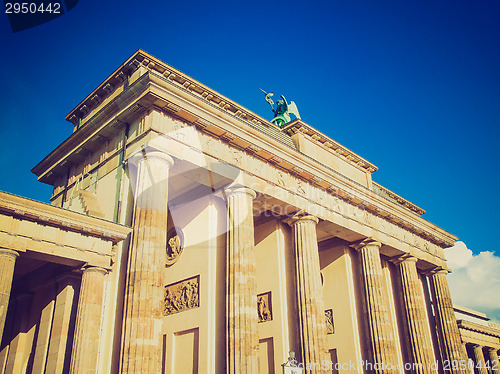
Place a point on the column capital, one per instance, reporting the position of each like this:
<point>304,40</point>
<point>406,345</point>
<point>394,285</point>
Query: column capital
<point>234,189</point>
<point>403,258</point>
<point>91,269</point>
<point>436,270</point>
<point>367,242</point>
<point>148,153</point>
<point>9,252</point>
<point>301,218</point>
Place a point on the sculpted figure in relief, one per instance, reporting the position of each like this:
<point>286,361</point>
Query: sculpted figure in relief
<point>181,296</point>
<point>330,329</point>
<point>171,305</point>
<point>263,309</point>
<point>174,247</point>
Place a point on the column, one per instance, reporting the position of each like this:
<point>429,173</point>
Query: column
<point>61,334</point>
<point>479,363</point>
<point>45,300</point>
<point>494,363</point>
<point>141,345</point>
<point>242,335</point>
<point>446,323</point>
<point>415,315</point>
<point>310,307</point>
<point>7,262</point>
<point>470,362</point>
<point>22,334</point>
<point>381,342</point>
<point>88,321</point>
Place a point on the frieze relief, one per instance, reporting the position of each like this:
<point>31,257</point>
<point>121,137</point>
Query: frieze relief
<point>300,188</point>
<point>182,296</point>
<point>236,157</point>
<point>331,203</point>
<point>264,307</point>
<point>281,178</point>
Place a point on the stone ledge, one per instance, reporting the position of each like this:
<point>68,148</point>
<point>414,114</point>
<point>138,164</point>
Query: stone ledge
<point>49,215</point>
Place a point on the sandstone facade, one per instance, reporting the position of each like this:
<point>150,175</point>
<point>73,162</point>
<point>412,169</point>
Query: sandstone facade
<point>188,234</point>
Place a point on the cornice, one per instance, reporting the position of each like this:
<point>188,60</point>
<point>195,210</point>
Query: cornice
<point>142,58</point>
<point>299,126</point>
<point>96,131</point>
<point>478,328</point>
<point>104,90</point>
<point>46,214</point>
<point>394,196</point>
<point>470,312</point>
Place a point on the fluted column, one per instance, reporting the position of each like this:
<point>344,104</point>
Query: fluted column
<point>242,335</point>
<point>310,306</point>
<point>479,363</point>
<point>88,322</point>
<point>57,358</point>
<point>446,323</point>
<point>381,342</point>
<point>494,363</point>
<point>415,315</point>
<point>7,263</point>
<point>469,368</point>
<point>141,346</point>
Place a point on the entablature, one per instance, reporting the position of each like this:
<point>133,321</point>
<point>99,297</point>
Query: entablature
<point>155,92</point>
<point>486,330</point>
<point>49,215</point>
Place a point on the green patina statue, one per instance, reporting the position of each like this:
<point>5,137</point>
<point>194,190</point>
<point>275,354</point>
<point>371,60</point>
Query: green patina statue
<point>282,111</point>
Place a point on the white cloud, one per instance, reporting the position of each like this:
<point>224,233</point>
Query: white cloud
<point>475,279</point>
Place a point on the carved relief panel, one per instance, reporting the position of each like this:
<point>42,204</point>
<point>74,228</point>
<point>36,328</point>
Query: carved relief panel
<point>182,295</point>
<point>264,307</point>
<point>175,245</point>
<point>330,328</point>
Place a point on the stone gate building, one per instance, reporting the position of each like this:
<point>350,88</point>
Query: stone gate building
<point>187,234</point>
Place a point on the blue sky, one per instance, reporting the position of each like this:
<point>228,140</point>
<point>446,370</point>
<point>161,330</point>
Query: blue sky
<point>412,86</point>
